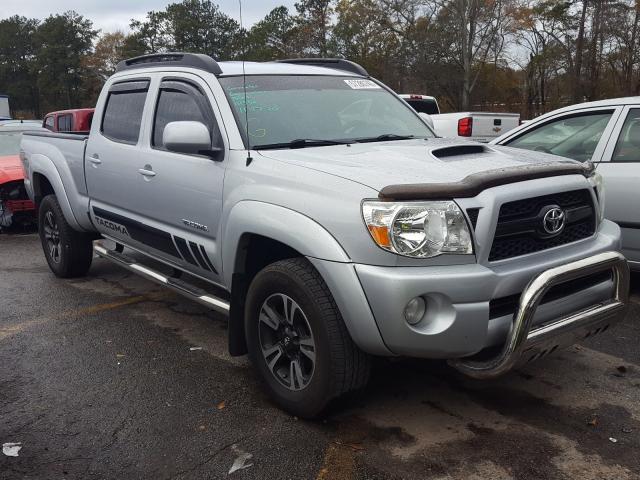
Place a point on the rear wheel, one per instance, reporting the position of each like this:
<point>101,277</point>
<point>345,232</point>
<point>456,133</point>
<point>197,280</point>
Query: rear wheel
<point>67,251</point>
<point>297,339</point>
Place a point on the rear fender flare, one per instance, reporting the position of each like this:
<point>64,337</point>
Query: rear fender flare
<point>39,164</point>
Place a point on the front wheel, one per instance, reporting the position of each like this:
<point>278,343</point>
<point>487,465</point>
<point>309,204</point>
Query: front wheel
<point>67,251</point>
<point>298,341</point>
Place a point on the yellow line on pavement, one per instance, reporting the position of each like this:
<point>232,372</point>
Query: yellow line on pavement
<point>12,329</point>
<point>339,463</point>
<point>113,305</point>
<point>107,306</point>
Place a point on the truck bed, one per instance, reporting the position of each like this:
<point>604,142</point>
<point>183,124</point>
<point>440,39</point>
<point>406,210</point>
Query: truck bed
<point>66,151</point>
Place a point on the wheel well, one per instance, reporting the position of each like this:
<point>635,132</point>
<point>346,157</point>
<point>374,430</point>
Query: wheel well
<point>254,253</point>
<point>41,187</point>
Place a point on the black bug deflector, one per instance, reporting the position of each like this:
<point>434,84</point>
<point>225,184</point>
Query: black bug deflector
<point>474,184</point>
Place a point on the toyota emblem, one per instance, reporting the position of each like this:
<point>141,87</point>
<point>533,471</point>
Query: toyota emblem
<point>553,221</point>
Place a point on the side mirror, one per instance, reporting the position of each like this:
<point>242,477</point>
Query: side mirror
<point>428,120</point>
<point>188,137</point>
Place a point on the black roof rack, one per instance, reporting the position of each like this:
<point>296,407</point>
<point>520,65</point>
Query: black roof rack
<point>337,63</point>
<point>193,60</point>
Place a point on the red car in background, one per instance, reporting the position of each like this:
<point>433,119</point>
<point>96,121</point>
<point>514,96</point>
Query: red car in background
<point>77,120</point>
<point>16,209</point>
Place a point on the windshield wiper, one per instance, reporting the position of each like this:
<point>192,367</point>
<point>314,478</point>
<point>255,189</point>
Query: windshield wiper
<point>300,143</point>
<point>385,136</point>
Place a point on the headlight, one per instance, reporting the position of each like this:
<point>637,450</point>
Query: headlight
<point>418,229</point>
<point>597,183</point>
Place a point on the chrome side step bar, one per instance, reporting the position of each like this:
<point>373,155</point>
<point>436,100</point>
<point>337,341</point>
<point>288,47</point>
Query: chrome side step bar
<point>522,340</point>
<point>194,293</point>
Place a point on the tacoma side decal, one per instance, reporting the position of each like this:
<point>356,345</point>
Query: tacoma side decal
<point>116,227</point>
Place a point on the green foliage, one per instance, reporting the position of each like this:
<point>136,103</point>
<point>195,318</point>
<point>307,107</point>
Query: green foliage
<point>273,37</point>
<point>190,26</point>
<point>62,40</point>
<point>18,51</point>
<point>314,26</point>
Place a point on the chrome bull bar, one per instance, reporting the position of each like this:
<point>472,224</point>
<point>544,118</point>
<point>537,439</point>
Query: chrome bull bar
<point>565,330</point>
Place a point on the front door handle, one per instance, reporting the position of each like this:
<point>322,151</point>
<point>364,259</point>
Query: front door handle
<point>147,172</point>
<point>95,159</point>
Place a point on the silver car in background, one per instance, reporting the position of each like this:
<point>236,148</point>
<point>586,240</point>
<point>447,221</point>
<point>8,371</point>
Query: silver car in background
<point>607,133</point>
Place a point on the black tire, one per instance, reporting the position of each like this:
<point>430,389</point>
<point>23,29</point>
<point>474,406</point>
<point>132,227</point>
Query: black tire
<point>340,366</point>
<point>72,257</point>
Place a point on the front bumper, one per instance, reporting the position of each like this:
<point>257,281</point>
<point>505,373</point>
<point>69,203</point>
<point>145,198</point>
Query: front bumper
<point>460,320</point>
<point>525,343</point>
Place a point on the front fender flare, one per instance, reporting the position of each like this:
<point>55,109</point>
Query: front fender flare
<point>277,223</point>
<point>313,241</point>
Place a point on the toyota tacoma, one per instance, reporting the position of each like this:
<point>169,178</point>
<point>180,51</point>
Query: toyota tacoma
<point>320,212</point>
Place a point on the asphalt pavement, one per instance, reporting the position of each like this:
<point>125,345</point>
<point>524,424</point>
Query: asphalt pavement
<point>111,376</point>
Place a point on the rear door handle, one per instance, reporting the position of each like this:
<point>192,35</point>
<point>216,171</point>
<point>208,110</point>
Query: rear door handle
<point>95,159</point>
<point>146,173</point>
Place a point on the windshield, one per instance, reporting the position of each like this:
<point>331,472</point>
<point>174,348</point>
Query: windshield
<point>319,110</point>
<point>9,143</point>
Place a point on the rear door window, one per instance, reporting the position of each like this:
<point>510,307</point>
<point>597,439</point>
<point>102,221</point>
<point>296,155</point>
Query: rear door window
<point>628,146</point>
<point>123,111</point>
<point>64,123</point>
<point>574,136</point>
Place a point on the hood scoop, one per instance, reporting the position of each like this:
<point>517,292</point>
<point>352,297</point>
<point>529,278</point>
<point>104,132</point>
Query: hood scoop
<point>457,150</point>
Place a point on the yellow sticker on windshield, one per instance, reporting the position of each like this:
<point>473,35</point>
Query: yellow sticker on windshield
<point>361,84</point>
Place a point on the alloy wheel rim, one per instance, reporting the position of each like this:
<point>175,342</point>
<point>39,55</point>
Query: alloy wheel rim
<point>287,342</point>
<point>52,236</point>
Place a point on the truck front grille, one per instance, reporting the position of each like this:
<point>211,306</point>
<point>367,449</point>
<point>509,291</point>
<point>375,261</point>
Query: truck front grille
<point>520,227</point>
<point>499,307</point>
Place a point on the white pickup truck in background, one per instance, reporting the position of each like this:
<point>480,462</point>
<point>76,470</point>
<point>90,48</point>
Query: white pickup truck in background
<point>421,103</point>
<point>478,126</point>
<point>5,113</point>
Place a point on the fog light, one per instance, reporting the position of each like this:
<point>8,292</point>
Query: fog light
<point>414,310</point>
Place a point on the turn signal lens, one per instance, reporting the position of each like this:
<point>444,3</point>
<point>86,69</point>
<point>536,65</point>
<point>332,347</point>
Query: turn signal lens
<point>380,235</point>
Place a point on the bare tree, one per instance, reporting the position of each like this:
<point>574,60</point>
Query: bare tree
<point>480,33</point>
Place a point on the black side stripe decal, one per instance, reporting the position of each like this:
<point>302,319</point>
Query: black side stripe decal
<point>196,253</point>
<point>140,232</point>
<point>156,238</point>
<point>206,258</point>
<point>184,250</point>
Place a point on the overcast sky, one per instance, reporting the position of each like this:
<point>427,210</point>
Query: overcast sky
<point>111,15</point>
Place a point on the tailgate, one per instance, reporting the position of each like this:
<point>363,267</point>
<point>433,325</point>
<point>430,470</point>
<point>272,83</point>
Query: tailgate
<point>487,126</point>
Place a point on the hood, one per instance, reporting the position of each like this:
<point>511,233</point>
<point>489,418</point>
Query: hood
<point>10,169</point>
<point>403,162</point>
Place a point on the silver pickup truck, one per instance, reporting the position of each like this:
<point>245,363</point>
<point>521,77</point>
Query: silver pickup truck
<point>312,205</point>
